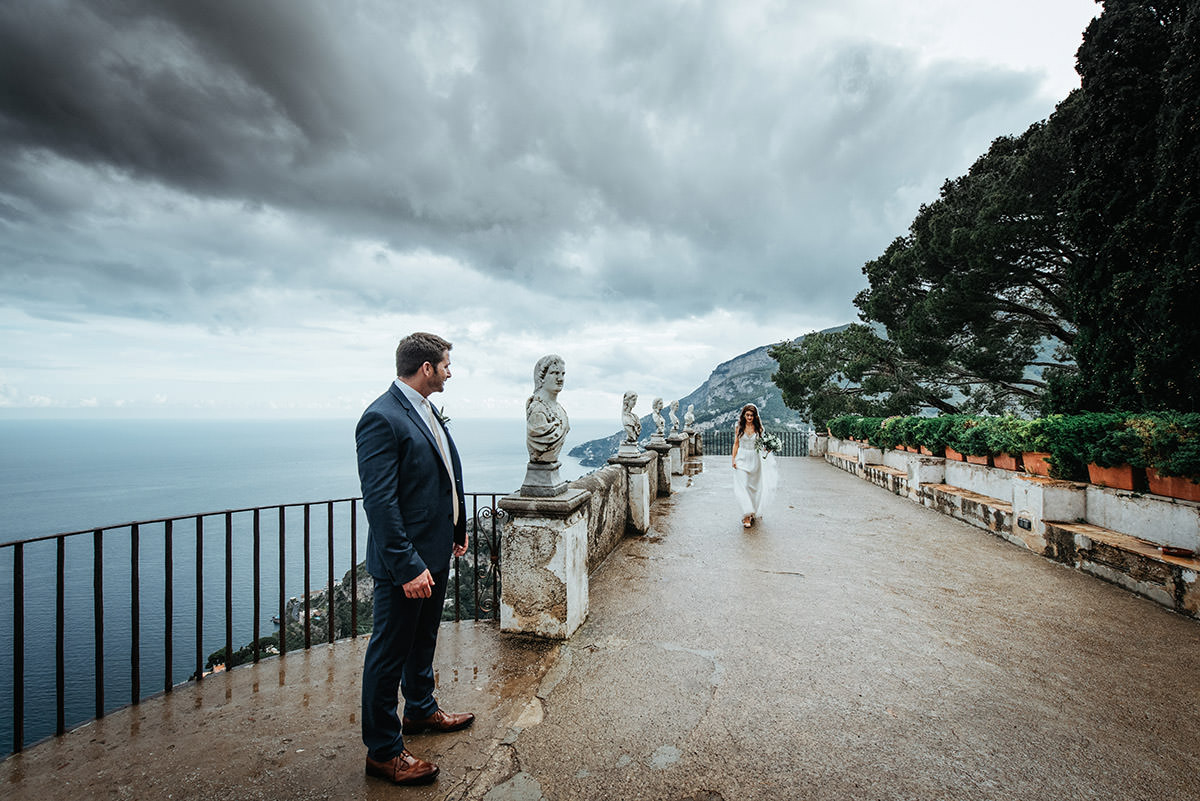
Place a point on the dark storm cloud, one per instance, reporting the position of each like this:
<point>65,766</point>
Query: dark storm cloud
<point>635,154</point>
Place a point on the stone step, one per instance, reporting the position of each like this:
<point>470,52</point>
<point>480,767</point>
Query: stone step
<point>1132,563</point>
<point>893,480</point>
<point>983,511</point>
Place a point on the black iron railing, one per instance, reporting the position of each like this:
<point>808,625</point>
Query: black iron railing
<point>136,578</point>
<point>720,443</point>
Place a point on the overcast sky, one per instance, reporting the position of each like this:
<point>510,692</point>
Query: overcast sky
<point>231,208</point>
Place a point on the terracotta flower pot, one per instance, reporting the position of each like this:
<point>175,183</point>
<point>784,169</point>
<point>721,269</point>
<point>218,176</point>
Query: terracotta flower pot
<point>1173,486</point>
<point>1121,476</point>
<point>1036,463</point>
<point>1005,461</point>
<point>972,459</point>
<point>926,452</point>
<point>953,455</point>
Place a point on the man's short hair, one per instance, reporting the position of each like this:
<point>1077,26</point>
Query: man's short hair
<point>416,349</point>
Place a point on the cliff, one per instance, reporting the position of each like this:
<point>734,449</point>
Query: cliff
<point>731,385</point>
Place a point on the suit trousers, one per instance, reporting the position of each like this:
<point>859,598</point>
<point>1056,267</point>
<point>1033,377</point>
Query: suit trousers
<point>399,657</point>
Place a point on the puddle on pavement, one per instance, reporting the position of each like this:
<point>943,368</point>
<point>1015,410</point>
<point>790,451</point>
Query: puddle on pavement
<point>664,757</point>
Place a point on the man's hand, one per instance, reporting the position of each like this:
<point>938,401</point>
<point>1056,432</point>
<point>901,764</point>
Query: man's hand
<point>420,587</point>
<point>459,550</point>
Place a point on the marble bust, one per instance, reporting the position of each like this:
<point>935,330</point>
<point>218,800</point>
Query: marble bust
<point>630,421</point>
<point>689,417</point>
<point>546,423</point>
<point>657,417</point>
<point>674,417</point>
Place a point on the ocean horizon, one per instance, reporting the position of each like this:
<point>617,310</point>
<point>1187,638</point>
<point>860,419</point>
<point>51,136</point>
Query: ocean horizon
<point>59,476</point>
<point>77,474</point>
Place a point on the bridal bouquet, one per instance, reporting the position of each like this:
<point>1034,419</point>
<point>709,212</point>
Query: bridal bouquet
<point>767,444</point>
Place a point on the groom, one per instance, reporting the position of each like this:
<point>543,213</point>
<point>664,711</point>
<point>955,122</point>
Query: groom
<point>413,497</point>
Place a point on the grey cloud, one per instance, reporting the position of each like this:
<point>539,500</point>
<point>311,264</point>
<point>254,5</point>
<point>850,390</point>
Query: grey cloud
<point>652,144</point>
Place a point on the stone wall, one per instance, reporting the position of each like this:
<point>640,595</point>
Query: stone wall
<point>1113,534</point>
<point>551,544</point>
<point>652,471</point>
<point>607,510</point>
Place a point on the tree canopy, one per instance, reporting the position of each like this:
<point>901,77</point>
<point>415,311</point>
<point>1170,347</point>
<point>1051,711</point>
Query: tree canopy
<point>854,371</point>
<point>1133,210</point>
<point>1061,272</point>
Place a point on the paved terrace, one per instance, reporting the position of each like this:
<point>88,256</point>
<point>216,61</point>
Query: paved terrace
<point>852,646</point>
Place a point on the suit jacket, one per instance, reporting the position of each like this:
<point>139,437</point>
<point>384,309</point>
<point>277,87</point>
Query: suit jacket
<point>406,491</point>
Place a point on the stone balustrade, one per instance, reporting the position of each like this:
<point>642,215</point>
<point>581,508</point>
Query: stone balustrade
<point>551,544</point>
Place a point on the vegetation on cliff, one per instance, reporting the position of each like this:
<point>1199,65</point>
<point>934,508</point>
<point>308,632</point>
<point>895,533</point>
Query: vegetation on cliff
<point>731,385</point>
<point>472,595</point>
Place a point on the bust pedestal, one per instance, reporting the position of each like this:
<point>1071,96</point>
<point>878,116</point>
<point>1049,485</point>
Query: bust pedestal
<point>542,480</point>
<point>663,450</point>
<point>638,473</point>
<point>545,544</point>
<point>676,441</point>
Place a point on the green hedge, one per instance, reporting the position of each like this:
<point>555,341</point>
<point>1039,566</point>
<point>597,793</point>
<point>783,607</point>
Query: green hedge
<point>1166,441</point>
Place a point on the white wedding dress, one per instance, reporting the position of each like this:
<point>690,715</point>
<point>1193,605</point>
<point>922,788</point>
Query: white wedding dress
<point>755,478</point>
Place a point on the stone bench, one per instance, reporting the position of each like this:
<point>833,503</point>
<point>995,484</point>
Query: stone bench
<point>1129,562</point>
<point>982,511</point>
<point>891,479</point>
<point>843,461</point>
<point>1111,534</point>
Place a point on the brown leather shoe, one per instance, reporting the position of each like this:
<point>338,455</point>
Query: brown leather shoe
<point>439,721</point>
<point>404,768</point>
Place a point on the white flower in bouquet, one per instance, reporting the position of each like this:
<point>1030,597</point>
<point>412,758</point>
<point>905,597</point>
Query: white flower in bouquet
<point>767,444</point>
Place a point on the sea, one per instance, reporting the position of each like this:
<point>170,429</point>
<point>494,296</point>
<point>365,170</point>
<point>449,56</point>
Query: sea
<point>59,476</point>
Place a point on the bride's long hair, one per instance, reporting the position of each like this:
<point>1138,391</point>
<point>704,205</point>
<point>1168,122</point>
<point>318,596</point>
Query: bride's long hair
<point>741,423</point>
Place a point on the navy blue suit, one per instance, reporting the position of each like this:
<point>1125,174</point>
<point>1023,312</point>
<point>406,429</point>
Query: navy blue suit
<point>410,513</point>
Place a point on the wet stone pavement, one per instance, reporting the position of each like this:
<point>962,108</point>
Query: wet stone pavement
<point>852,645</point>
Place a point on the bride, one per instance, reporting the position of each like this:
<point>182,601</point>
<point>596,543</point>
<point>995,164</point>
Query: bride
<point>754,477</point>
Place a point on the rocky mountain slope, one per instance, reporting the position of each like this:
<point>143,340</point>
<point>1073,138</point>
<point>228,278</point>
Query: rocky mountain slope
<point>732,384</point>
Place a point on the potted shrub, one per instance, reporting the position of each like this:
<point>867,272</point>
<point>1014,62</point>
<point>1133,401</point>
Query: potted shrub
<point>1070,440</point>
<point>912,433</point>
<point>970,439</point>
<point>933,433</point>
<point>906,432</point>
<point>1035,453</point>
<point>1171,448</point>
<point>866,428</point>
<point>889,435</point>
<point>1113,452</point>
<point>839,427</point>
<point>1007,438</point>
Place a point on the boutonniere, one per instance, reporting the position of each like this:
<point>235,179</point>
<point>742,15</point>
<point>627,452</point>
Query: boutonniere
<point>441,415</point>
